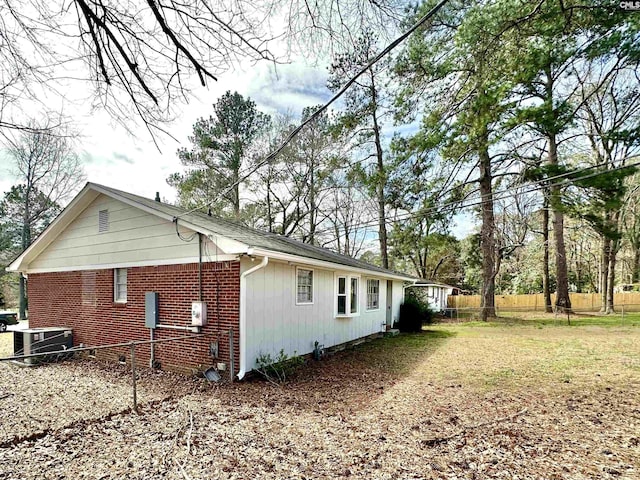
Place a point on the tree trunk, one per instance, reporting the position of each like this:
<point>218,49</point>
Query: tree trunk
<point>487,234</point>
<point>312,205</point>
<point>604,272</point>
<point>546,289</point>
<point>611,280</point>
<point>636,266</point>
<point>236,199</point>
<point>563,302</point>
<point>381,179</point>
<point>26,241</point>
<point>613,218</point>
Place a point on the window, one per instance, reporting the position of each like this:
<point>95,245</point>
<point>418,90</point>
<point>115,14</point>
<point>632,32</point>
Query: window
<point>347,296</point>
<point>120,285</point>
<point>354,295</point>
<point>342,295</point>
<point>305,286</point>
<point>373,294</point>
<point>103,221</point>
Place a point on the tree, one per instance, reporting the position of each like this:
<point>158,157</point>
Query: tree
<point>366,106</point>
<point>222,148</point>
<point>631,227</point>
<point>141,57</point>
<point>48,172</point>
<point>610,114</point>
<point>455,70</point>
<point>292,187</point>
<point>557,46</point>
<point>347,220</point>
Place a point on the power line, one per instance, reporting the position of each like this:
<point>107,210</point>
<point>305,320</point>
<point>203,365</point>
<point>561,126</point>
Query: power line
<point>243,176</point>
<point>509,192</point>
<point>503,194</point>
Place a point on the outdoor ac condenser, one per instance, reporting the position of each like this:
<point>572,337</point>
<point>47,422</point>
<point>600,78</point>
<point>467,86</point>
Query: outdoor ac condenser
<point>41,340</point>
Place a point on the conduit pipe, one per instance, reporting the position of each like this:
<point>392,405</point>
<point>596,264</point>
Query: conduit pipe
<point>243,315</point>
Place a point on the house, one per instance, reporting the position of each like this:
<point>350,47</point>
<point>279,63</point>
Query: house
<point>109,251</point>
<point>436,294</point>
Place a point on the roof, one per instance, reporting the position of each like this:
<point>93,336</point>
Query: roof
<point>210,225</point>
<point>431,283</point>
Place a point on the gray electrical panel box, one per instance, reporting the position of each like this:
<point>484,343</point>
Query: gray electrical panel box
<point>151,311</point>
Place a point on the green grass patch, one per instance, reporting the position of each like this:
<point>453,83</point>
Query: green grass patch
<point>575,320</point>
<point>402,353</point>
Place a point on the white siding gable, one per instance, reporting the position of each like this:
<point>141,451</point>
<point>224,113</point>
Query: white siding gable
<point>130,236</point>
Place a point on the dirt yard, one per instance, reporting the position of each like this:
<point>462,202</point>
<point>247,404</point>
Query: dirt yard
<point>457,401</point>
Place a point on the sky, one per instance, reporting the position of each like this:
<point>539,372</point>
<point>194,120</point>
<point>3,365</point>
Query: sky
<point>115,158</point>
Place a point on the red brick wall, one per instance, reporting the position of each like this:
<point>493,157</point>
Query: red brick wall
<point>56,299</point>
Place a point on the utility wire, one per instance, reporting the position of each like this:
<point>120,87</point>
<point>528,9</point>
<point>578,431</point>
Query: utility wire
<point>558,180</point>
<point>317,113</point>
<point>501,195</point>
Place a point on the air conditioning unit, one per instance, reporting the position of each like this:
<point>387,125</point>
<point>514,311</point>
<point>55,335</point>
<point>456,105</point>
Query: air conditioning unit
<point>42,340</point>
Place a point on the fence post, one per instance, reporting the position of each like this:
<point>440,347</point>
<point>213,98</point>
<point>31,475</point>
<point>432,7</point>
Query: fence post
<point>133,376</point>
<point>231,356</point>
<point>623,312</point>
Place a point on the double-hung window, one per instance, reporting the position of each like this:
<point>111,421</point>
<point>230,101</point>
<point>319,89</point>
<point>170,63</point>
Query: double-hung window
<point>120,285</point>
<point>304,295</point>
<point>373,294</point>
<point>347,296</point>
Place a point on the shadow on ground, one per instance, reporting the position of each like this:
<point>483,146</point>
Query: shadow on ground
<point>347,381</point>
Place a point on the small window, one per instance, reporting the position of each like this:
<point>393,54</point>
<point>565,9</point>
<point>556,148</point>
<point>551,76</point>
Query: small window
<point>120,285</point>
<point>373,294</point>
<point>347,296</point>
<point>354,295</point>
<point>103,221</point>
<point>342,295</point>
<point>305,287</point>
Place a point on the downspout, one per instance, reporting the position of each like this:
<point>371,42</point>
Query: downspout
<point>243,315</point>
<point>200,267</point>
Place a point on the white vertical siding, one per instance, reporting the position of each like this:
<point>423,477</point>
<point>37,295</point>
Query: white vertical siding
<point>275,322</point>
<point>397,299</point>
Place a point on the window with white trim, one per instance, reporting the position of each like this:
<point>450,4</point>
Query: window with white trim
<point>354,295</point>
<point>120,285</point>
<point>304,295</point>
<point>347,295</point>
<point>342,296</point>
<point>373,294</point>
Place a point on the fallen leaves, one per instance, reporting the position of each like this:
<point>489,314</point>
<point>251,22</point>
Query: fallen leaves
<point>409,417</point>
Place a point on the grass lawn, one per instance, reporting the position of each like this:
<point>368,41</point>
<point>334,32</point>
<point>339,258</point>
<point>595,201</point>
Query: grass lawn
<point>516,398</point>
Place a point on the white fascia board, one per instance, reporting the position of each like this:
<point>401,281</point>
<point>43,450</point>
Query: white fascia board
<point>227,245</point>
<point>299,260</point>
<point>145,263</point>
<point>71,211</point>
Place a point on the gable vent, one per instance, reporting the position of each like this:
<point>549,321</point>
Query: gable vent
<point>103,221</point>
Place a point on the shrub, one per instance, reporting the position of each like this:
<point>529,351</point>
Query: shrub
<point>277,370</point>
<point>414,313</point>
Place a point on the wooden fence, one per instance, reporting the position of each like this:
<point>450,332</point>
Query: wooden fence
<point>535,302</point>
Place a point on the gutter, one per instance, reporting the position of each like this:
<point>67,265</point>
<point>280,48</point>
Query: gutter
<point>243,315</point>
<point>296,259</point>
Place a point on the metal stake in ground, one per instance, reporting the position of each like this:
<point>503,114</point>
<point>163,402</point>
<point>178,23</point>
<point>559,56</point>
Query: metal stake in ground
<point>232,353</point>
<point>133,376</point>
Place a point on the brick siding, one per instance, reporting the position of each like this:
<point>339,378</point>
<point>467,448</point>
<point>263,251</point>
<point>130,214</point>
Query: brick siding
<point>66,299</point>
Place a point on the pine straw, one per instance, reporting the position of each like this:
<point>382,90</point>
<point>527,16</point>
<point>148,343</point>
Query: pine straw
<point>456,402</point>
